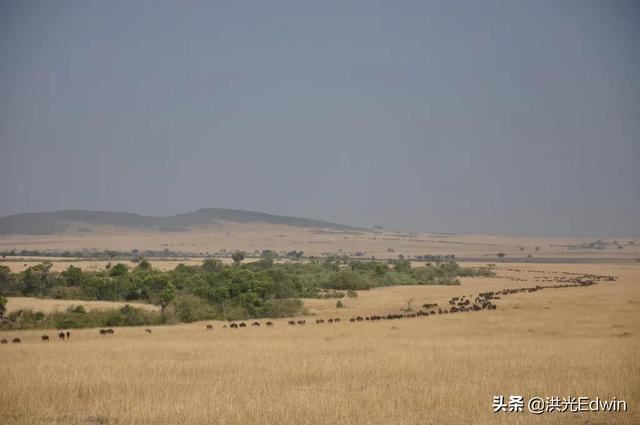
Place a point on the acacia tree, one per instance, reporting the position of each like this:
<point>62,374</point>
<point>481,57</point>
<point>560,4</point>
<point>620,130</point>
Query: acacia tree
<point>501,255</point>
<point>237,257</point>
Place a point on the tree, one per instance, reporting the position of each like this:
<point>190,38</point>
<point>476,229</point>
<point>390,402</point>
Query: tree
<point>501,255</point>
<point>167,295</point>
<point>237,257</point>
<point>339,304</point>
<point>3,308</point>
<point>267,258</point>
<point>144,265</point>
<point>212,265</point>
<point>119,270</point>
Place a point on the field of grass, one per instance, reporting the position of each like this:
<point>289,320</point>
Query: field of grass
<point>48,306</point>
<point>436,370</point>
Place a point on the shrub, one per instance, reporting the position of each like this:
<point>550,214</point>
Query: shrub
<point>119,270</point>
<point>282,308</point>
<point>189,308</point>
<point>347,279</point>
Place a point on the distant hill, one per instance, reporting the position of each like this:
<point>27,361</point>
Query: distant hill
<point>47,223</point>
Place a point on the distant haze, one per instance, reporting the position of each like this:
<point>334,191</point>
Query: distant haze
<point>487,117</point>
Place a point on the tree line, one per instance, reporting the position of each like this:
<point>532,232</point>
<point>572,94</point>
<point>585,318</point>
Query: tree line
<point>213,290</point>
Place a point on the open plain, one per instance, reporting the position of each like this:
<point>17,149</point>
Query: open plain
<point>441,369</point>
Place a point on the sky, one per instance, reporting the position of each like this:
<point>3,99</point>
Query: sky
<point>499,117</point>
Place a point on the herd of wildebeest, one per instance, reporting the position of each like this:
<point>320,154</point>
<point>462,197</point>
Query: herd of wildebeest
<point>458,304</point>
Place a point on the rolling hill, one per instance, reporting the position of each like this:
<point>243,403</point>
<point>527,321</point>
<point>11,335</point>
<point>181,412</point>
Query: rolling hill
<point>46,223</point>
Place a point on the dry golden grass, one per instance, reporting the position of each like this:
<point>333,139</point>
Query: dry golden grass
<point>435,370</point>
<point>48,306</point>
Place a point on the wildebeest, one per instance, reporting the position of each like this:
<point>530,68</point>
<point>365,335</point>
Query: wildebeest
<point>103,331</point>
<point>291,322</point>
<point>61,336</point>
<point>4,341</point>
<point>110,331</point>
<point>16,340</point>
<point>269,323</point>
<point>209,327</point>
<point>336,320</point>
<point>68,334</point>
<point>45,338</point>
<point>255,324</point>
<point>318,321</point>
<point>233,326</point>
<point>242,325</point>
<point>302,322</point>
<point>147,331</point>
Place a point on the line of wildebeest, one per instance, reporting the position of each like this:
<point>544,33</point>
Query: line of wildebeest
<point>458,304</point>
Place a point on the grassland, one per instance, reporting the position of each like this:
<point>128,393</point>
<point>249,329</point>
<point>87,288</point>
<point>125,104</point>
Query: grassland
<point>436,370</point>
<point>49,305</point>
<point>250,237</point>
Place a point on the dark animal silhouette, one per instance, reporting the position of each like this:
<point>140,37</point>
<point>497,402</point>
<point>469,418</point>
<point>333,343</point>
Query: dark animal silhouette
<point>45,338</point>
<point>103,331</point>
<point>147,331</point>
<point>243,325</point>
<point>269,323</point>
<point>68,334</point>
<point>255,324</point>
<point>209,327</point>
<point>61,336</point>
<point>233,326</point>
<point>291,322</point>
<point>4,341</point>
<point>16,340</point>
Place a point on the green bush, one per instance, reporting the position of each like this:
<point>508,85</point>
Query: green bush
<point>189,308</point>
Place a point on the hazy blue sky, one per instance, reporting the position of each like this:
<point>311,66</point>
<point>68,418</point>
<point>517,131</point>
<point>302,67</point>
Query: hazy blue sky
<point>476,116</point>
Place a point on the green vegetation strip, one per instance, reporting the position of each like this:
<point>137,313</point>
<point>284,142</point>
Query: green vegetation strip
<point>211,291</point>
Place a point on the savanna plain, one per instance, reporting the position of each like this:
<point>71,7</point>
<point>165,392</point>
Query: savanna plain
<point>440,369</point>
